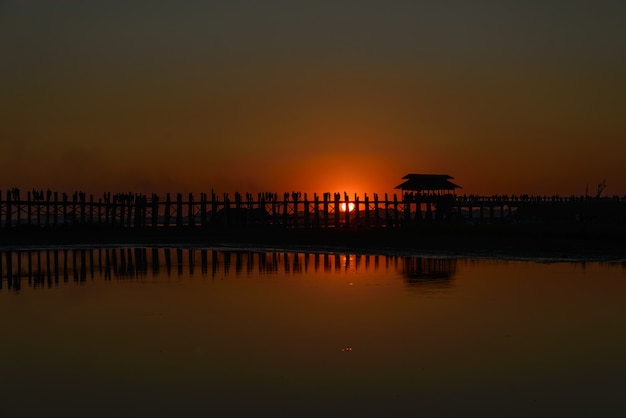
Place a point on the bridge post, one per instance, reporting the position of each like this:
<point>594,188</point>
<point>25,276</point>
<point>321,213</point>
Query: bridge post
<point>18,205</point>
<point>326,198</point>
<point>251,213</point>
<point>91,209</point>
<point>64,206</point>
<point>154,203</point>
<point>190,212</point>
<point>295,198</point>
<point>203,213</point>
<point>226,210</point>
<point>418,207</point>
<point>347,211</point>
<point>213,206</point>
<point>285,209</point>
<point>274,197</point>
<point>29,197</point>
<point>376,211</point>
<point>482,210</point>
<point>166,212</point>
<point>406,199</point>
<point>307,220</point>
<point>139,211</point>
<point>47,224</point>
<point>396,215</point>
<point>316,210</point>
<point>130,202</point>
<point>179,210</point>
<point>387,222</point>
<point>9,210</point>
<point>357,210</point>
<point>366,200</point>
<point>336,200</point>
<point>238,217</point>
<point>83,208</point>
<point>429,211</point>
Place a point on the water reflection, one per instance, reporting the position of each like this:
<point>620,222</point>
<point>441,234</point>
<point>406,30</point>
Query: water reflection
<point>382,334</point>
<point>429,271</point>
<point>49,267</point>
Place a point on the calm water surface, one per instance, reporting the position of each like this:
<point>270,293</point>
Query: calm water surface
<point>160,332</point>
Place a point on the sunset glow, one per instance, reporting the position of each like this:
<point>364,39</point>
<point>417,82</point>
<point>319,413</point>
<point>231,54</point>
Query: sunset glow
<point>206,97</point>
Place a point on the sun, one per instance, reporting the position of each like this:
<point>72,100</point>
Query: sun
<point>343,207</point>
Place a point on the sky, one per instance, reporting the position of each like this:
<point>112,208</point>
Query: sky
<point>507,97</point>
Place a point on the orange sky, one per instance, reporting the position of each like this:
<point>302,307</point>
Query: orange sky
<point>187,97</point>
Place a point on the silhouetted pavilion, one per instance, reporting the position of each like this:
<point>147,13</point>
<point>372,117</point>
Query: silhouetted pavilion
<point>428,184</point>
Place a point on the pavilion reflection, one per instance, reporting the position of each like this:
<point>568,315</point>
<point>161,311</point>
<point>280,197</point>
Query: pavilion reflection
<point>49,267</point>
<point>428,271</point>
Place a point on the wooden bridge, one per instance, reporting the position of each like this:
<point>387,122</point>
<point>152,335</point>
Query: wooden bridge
<point>39,209</point>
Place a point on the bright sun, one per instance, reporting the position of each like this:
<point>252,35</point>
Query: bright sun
<point>343,207</point>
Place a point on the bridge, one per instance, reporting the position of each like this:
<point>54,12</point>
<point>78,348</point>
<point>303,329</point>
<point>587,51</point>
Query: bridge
<point>50,210</point>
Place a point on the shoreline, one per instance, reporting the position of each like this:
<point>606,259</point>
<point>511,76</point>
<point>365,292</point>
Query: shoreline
<point>553,242</point>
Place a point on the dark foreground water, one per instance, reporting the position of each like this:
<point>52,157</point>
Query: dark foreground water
<point>161,332</point>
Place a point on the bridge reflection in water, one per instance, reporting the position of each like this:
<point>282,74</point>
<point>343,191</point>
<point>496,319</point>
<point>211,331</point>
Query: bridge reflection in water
<point>49,267</point>
<point>429,271</point>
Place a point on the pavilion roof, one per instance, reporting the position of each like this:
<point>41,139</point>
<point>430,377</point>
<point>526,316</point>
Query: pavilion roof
<point>419,182</point>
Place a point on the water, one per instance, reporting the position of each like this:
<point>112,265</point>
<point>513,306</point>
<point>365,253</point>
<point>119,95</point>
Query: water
<point>160,332</point>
